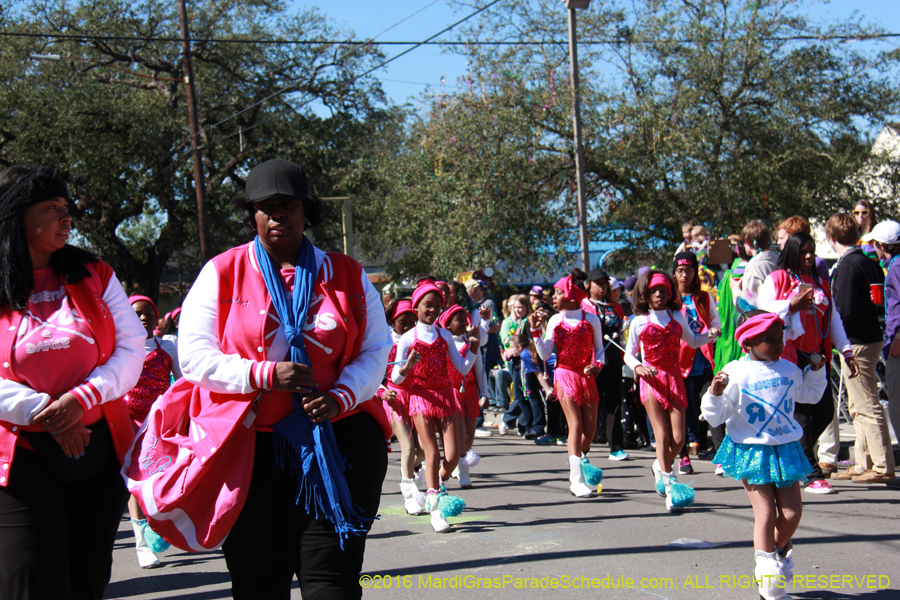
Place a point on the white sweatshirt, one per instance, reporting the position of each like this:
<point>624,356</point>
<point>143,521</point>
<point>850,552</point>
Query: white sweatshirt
<point>758,403</point>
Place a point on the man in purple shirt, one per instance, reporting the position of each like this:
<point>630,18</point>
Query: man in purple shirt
<point>886,239</point>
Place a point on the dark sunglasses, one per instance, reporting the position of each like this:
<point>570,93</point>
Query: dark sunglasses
<point>860,212</point>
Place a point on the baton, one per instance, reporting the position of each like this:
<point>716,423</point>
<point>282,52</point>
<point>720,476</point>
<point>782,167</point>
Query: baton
<point>609,339</point>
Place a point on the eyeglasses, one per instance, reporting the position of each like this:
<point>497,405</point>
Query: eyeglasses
<point>857,213</point>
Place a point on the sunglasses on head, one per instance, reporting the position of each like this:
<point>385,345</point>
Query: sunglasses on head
<point>860,212</point>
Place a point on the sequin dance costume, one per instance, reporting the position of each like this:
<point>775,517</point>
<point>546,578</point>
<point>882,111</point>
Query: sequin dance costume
<point>398,409</point>
<point>466,400</point>
<point>575,351</point>
<point>660,348</point>
<point>154,380</point>
<point>430,393</point>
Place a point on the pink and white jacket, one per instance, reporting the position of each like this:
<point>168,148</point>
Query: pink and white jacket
<point>228,345</point>
<point>119,335</point>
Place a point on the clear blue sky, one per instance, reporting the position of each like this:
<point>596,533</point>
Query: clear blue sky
<point>405,79</point>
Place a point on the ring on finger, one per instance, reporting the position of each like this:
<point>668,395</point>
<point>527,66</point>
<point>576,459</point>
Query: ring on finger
<point>315,411</point>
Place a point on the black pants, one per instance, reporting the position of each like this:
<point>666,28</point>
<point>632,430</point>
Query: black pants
<point>274,539</point>
<point>609,388</point>
<point>557,426</point>
<point>693,385</point>
<point>533,406</point>
<point>56,538</point>
<point>634,418</point>
<point>814,418</point>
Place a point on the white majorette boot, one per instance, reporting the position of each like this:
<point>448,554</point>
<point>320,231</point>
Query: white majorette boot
<point>678,495</point>
<point>438,522</point>
<point>785,556</point>
<point>577,485</point>
<point>413,499</point>
<point>147,558</point>
<point>461,472</point>
<point>659,483</point>
<point>769,576</point>
<point>419,478</point>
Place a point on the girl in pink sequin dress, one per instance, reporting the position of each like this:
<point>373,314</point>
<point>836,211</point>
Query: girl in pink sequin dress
<point>424,351</point>
<point>655,335</point>
<point>160,363</point>
<point>395,399</point>
<point>468,390</point>
<point>578,337</point>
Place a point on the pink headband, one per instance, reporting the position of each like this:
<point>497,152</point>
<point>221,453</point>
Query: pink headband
<point>570,290</point>
<point>448,314</point>
<point>426,287</point>
<point>754,326</point>
<point>660,279</point>
<point>176,312</point>
<point>403,306</point>
<point>133,299</point>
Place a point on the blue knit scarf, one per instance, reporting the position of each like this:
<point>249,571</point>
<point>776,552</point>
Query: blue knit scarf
<point>307,451</point>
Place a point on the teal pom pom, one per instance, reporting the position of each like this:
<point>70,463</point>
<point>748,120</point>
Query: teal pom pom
<point>451,506</point>
<point>154,541</point>
<point>682,495</point>
<point>592,475</point>
<point>660,487</point>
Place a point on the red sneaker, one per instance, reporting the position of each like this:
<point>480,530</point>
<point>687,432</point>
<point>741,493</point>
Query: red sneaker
<point>819,486</point>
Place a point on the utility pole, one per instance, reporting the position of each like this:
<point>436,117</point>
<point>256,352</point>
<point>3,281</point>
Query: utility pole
<point>571,5</point>
<point>199,182</point>
<point>346,223</point>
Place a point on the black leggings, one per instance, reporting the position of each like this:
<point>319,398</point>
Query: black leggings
<point>609,388</point>
<point>275,539</point>
<point>814,418</point>
<point>56,538</point>
<point>693,385</point>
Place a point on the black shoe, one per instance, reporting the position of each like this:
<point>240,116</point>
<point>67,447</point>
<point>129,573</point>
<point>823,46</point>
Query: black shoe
<point>533,436</point>
<point>707,454</point>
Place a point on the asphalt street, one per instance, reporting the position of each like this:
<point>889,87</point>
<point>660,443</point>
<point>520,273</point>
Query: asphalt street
<point>524,536</point>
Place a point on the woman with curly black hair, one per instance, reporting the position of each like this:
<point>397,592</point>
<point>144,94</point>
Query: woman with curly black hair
<point>71,347</point>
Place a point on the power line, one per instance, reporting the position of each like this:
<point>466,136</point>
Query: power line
<point>344,83</point>
<point>431,42</point>
<point>316,70</point>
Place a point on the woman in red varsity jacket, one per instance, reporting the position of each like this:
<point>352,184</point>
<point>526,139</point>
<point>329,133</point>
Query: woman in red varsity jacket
<point>235,340</point>
<point>71,348</point>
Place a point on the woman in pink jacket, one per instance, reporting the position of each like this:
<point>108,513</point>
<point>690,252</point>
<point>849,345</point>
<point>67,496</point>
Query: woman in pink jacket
<point>71,347</point>
<point>302,334</point>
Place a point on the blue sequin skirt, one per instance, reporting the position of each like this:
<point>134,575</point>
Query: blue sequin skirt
<point>761,464</point>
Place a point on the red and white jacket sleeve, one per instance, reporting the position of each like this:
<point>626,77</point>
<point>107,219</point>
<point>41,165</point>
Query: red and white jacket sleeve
<point>19,404</point>
<point>360,378</point>
<point>116,376</point>
<point>202,361</point>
